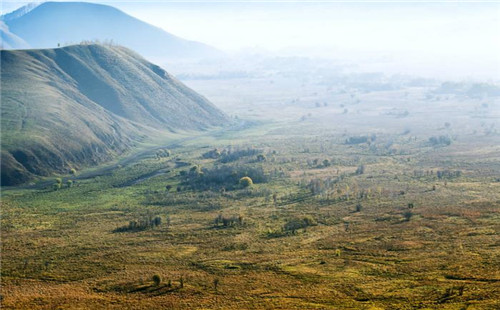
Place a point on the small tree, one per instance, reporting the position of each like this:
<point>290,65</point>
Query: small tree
<point>407,215</point>
<point>261,157</point>
<point>359,207</point>
<point>56,186</point>
<point>69,183</point>
<point>72,171</point>
<point>216,284</point>
<point>156,279</point>
<point>246,182</point>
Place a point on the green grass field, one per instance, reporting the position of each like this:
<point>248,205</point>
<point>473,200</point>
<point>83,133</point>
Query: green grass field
<point>409,232</point>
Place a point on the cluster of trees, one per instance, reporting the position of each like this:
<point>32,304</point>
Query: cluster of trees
<point>236,155</point>
<point>292,226</point>
<point>448,174</point>
<point>161,153</point>
<point>319,164</point>
<point>143,224</point>
<point>441,140</point>
<point>330,189</point>
<point>225,176</point>
<point>297,223</point>
<point>422,173</point>
<point>157,280</point>
<point>222,221</point>
<point>439,173</point>
<point>319,186</point>
<point>361,139</point>
<point>228,155</point>
<point>59,184</point>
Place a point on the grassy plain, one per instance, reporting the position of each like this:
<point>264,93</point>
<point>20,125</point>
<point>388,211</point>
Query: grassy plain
<point>417,228</point>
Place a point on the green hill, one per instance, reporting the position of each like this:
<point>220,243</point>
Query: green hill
<point>81,105</point>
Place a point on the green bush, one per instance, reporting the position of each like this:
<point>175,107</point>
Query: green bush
<point>246,182</point>
<point>299,223</point>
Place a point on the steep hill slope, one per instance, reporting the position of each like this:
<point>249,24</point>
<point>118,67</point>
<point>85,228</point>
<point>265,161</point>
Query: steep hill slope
<point>82,105</point>
<point>51,23</point>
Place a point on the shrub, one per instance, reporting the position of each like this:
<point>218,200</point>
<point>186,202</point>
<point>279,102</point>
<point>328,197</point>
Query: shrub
<point>156,279</point>
<point>56,186</point>
<point>359,207</point>
<point>72,171</point>
<point>360,169</point>
<point>246,182</point>
<point>163,153</point>
<point>299,223</point>
<point>69,183</point>
<point>215,153</point>
<point>407,215</point>
<point>216,283</point>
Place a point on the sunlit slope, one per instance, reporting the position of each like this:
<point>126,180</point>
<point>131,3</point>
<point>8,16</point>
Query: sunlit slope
<point>83,104</point>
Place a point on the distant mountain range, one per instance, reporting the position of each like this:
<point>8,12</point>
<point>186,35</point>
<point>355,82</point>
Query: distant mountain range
<point>81,105</point>
<point>52,23</point>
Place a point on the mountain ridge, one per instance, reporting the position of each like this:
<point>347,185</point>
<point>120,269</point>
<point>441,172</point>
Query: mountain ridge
<point>50,24</point>
<point>82,105</point>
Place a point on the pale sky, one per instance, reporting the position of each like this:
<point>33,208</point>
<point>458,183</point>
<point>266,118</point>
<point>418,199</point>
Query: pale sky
<point>456,36</point>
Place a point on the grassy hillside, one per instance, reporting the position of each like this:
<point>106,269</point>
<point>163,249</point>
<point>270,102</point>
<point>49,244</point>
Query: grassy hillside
<point>81,105</point>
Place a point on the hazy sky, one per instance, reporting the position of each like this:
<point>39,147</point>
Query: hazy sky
<point>447,36</point>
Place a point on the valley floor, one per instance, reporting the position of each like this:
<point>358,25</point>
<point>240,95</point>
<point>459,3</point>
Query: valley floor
<point>369,228</point>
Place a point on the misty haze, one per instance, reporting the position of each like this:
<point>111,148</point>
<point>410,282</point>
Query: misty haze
<point>250,155</point>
